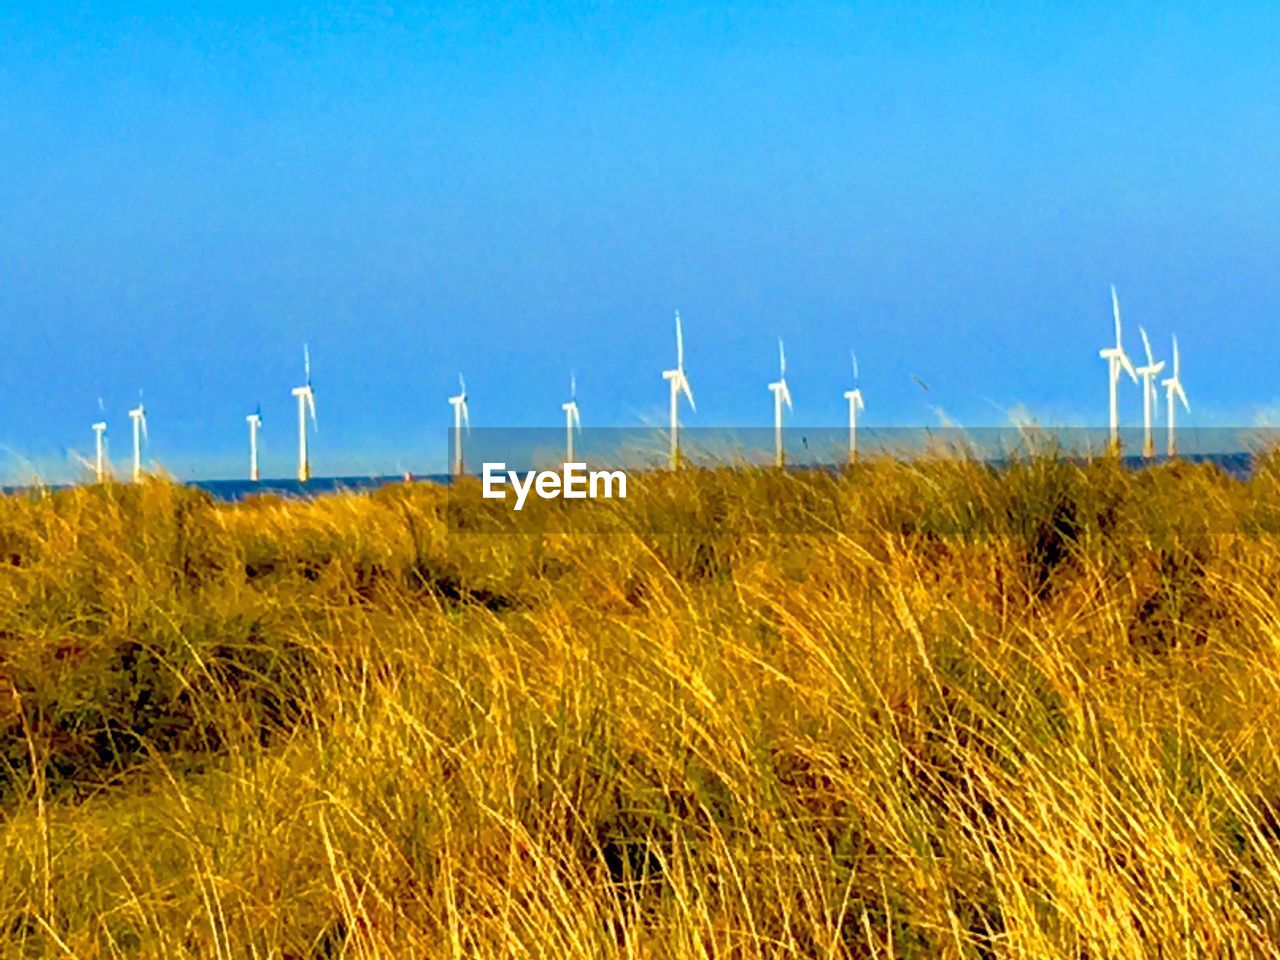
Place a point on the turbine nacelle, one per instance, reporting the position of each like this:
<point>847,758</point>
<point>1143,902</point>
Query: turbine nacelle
<point>571,411</point>
<point>139,414</point>
<point>780,387</point>
<point>307,398</point>
<point>1121,359</point>
<point>570,406</point>
<point>1151,368</point>
<point>459,403</point>
<point>680,384</point>
<point>1175,388</point>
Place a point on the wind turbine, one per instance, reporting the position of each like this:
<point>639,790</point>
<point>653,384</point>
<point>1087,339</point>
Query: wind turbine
<point>1148,374</point>
<point>139,417</point>
<point>460,417</point>
<point>306,402</point>
<point>100,462</point>
<point>1117,360</point>
<point>854,397</point>
<point>780,395</point>
<point>571,418</point>
<point>679,383</point>
<point>255,423</point>
<point>1173,385</point>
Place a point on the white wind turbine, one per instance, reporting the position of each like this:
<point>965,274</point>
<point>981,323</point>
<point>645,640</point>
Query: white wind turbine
<point>571,418</point>
<point>1117,360</point>
<point>100,444</point>
<point>139,417</point>
<point>1173,386</point>
<point>1148,374</point>
<point>854,397</point>
<point>255,423</point>
<point>780,395</point>
<point>460,417</point>
<point>679,383</point>
<point>306,403</point>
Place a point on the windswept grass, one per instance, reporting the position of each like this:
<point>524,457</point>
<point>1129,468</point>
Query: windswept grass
<point>936,710</point>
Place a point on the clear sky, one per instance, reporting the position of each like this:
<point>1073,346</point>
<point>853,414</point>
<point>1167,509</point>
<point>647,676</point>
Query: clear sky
<point>516,190</point>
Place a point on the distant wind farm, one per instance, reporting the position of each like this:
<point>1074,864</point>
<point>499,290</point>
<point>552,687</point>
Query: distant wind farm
<point>1117,358</point>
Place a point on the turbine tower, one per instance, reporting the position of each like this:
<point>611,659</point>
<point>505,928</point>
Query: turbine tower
<point>255,423</point>
<point>854,397</point>
<point>1173,386</point>
<point>100,443</point>
<point>1148,374</point>
<point>460,417</point>
<point>139,417</point>
<point>1117,360</point>
<point>571,418</point>
<point>780,395</point>
<point>306,402</point>
<point>679,383</point>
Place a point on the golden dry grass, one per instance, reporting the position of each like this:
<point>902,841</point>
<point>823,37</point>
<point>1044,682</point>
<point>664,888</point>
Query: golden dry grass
<point>911,711</point>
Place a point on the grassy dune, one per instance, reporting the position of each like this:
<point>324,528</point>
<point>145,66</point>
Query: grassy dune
<point>913,711</point>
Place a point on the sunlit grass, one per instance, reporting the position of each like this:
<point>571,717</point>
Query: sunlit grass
<point>919,710</point>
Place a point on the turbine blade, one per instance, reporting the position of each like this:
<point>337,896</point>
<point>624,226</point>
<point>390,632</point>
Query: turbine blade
<point>1115,309</point>
<point>1146,345</point>
<point>679,343</point>
<point>854,357</point>
<point>786,394</point>
<point>782,360</point>
<point>1175,357</point>
<point>466,416</point>
<point>1182,395</point>
<point>573,387</point>
<point>306,362</point>
<point>1128,367</point>
<point>688,391</point>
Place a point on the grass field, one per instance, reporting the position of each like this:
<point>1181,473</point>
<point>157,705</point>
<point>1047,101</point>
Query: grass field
<point>911,711</point>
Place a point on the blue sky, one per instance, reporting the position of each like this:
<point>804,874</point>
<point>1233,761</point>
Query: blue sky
<point>517,190</point>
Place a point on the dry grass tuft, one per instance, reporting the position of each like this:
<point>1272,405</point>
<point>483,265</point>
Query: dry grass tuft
<point>937,710</point>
